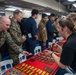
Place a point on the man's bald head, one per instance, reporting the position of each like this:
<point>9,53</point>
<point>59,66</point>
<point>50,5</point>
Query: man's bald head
<point>5,19</point>
<point>4,23</point>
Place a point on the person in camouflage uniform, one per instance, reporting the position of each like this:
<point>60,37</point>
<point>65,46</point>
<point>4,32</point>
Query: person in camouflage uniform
<point>42,33</point>
<point>5,36</point>
<point>4,25</point>
<point>16,35</point>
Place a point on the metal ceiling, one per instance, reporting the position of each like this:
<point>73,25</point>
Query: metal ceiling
<point>23,4</point>
<point>68,5</point>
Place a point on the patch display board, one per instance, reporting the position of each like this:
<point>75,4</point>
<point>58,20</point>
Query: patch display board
<point>39,64</point>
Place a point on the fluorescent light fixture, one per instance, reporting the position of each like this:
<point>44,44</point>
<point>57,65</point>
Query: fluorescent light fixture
<point>12,8</point>
<point>74,5</point>
<point>71,0</point>
<point>47,13</point>
<point>2,12</point>
<point>63,17</point>
<point>27,10</point>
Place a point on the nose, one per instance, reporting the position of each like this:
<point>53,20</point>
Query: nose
<point>8,27</point>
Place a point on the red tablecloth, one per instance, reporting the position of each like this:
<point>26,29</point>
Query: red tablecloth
<point>36,65</point>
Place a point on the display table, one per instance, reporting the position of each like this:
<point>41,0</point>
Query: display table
<point>39,64</point>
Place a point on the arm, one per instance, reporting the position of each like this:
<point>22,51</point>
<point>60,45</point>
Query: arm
<point>2,39</point>
<point>34,30</point>
<point>43,33</point>
<point>66,59</point>
<point>11,43</point>
<point>14,46</point>
<point>59,48</point>
<point>16,35</point>
<point>50,28</point>
<point>56,58</point>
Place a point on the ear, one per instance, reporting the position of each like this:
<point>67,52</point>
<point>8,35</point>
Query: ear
<point>16,16</point>
<point>65,28</point>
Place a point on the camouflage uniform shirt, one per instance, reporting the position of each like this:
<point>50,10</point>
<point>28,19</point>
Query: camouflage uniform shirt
<point>5,36</point>
<point>16,35</point>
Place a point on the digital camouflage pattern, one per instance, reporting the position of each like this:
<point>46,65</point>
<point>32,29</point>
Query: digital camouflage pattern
<point>5,36</point>
<point>16,35</point>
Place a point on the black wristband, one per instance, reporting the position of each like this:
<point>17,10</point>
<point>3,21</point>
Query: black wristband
<point>52,53</point>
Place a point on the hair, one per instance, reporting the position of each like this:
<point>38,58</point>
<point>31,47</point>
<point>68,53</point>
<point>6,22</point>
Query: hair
<point>52,15</point>
<point>16,12</point>
<point>71,15</point>
<point>44,15</point>
<point>69,24</point>
<point>34,11</point>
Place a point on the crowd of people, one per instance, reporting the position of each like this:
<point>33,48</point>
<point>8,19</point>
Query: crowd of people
<point>18,36</point>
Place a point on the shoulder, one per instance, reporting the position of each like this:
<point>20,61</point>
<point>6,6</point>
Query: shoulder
<point>30,20</point>
<point>6,33</point>
<point>48,22</point>
<point>71,42</point>
<point>72,38</point>
<point>41,24</point>
<point>13,24</point>
<point>2,34</point>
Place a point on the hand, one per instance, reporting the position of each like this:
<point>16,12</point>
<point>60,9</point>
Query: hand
<point>54,44</point>
<point>59,48</point>
<point>44,44</point>
<point>47,52</point>
<point>25,53</point>
<point>36,37</point>
<point>54,35</point>
<point>24,37</point>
